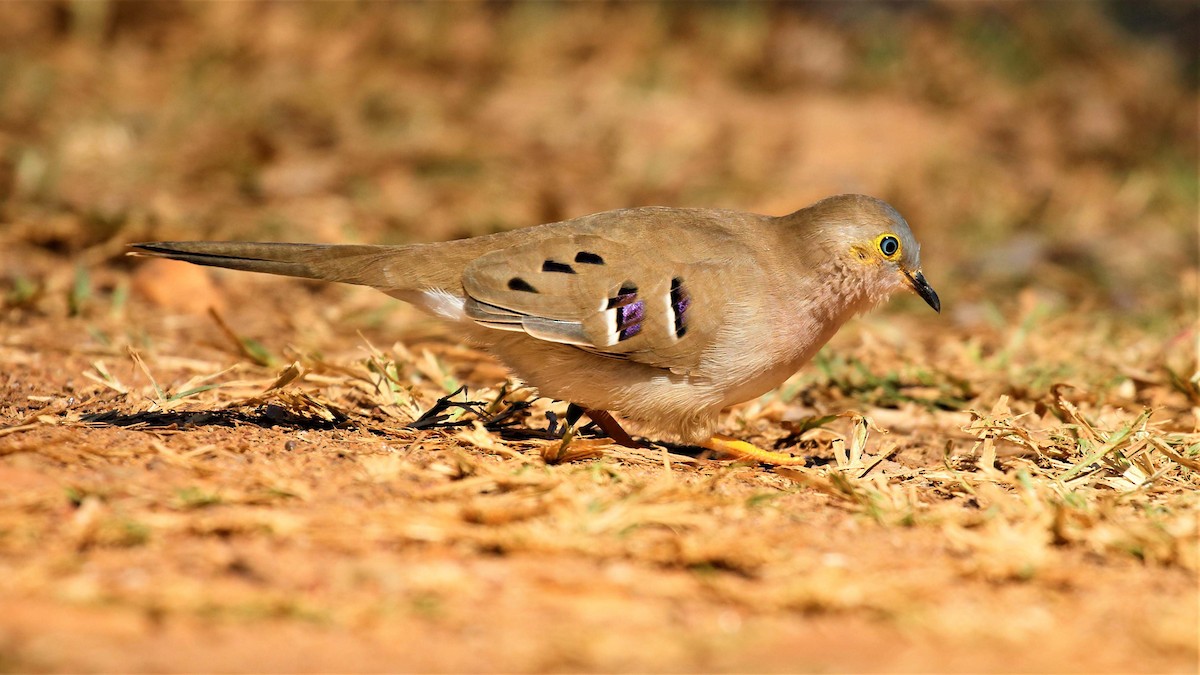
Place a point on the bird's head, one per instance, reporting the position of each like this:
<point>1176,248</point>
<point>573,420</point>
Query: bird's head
<point>869,238</point>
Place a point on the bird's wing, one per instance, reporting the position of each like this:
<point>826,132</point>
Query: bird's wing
<point>586,290</point>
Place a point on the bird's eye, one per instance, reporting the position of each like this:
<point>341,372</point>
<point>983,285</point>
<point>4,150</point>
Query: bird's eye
<point>888,245</point>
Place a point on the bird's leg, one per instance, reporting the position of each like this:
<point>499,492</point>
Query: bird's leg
<point>741,449</point>
<point>574,412</point>
<point>612,427</point>
<point>590,447</point>
<point>607,423</point>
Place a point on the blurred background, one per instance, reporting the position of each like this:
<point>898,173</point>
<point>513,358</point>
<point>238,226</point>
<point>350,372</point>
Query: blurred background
<point>1044,148</point>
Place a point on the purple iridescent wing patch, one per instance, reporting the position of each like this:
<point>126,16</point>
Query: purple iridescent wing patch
<point>630,311</point>
<point>680,301</point>
<point>629,318</point>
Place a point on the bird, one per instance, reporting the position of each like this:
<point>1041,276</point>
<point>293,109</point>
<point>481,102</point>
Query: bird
<point>664,316</point>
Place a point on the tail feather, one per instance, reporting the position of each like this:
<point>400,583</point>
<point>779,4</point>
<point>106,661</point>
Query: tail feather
<point>391,269</point>
<point>354,264</point>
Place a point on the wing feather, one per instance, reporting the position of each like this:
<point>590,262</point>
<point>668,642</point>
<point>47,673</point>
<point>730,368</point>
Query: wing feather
<point>599,295</point>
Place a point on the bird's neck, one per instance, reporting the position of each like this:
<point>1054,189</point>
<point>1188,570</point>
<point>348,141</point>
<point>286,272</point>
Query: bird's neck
<point>844,290</point>
<point>837,293</point>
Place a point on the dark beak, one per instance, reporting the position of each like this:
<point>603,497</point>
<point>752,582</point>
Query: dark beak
<point>924,290</point>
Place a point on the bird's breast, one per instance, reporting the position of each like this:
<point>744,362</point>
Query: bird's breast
<point>749,362</point>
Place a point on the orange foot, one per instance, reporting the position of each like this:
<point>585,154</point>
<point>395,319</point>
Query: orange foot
<point>743,450</point>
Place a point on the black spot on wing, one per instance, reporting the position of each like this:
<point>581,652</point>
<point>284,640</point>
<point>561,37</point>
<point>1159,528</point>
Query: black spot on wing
<point>588,258</point>
<point>519,284</point>
<point>552,266</point>
<point>626,295</point>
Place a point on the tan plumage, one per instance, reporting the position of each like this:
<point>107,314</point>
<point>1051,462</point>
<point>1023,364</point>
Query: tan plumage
<point>665,316</point>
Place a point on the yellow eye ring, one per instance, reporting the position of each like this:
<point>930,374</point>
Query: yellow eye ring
<point>888,245</point>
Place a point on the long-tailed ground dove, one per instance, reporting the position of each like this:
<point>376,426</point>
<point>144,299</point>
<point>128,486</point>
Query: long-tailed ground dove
<point>664,316</point>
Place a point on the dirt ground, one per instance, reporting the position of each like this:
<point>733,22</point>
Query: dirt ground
<point>215,471</point>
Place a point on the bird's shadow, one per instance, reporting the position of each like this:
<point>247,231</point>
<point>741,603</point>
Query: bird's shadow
<point>509,421</point>
<point>267,416</point>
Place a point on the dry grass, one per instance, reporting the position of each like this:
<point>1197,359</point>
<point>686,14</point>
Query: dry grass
<point>313,478</point>
<point>173,484</point>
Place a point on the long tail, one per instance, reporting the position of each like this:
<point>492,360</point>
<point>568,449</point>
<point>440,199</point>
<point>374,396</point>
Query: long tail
<point>389,268</point>
<point>352,264</point>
